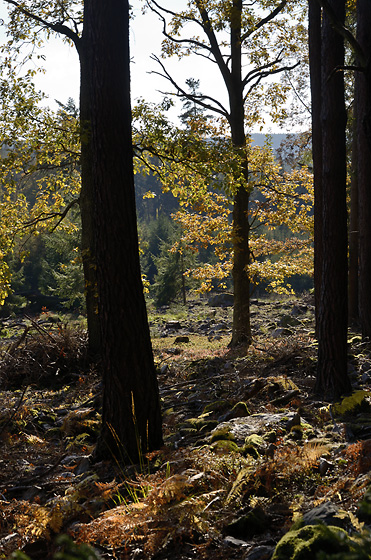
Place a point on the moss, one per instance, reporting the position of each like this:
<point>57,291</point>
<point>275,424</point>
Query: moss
<point>216,406</point>
<point>223,433</point>
<point>253,445</point>
<point>349,404</point>
<point>240,409</point>
<point>270,437</point>
<point>305,543</point>
<point>224,446</point>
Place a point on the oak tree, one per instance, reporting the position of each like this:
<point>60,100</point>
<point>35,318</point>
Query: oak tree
<point>236,35</point>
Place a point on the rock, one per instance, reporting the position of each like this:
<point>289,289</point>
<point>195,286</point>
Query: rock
<point>164,369</point>
<point>173,325</point>
<point>221,300</point>
<point>253,523</point>
<point>181,339</point>
<point>235,543</point>
<point>324,466</point>
<point>364,509</point>
<point>239,410</point>
<point>327,513</point>
<point>277,333</point>
<point>288,321</point>
<point>240,428</point>
<point>305,543</point>
<point>260,553</point>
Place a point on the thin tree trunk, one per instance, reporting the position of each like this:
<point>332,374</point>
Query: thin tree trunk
<point>332,379</point>
<point>131,419</point>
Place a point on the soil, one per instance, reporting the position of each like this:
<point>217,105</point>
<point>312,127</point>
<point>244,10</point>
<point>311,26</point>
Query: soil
<point>248,447</point>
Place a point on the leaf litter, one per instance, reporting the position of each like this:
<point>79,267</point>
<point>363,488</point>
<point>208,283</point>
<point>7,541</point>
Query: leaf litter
<point>187,499</point>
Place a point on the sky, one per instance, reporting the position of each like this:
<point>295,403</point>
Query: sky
<point>61,78</point>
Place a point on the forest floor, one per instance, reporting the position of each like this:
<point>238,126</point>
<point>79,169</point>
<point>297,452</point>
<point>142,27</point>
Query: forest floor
<point>248,447</point>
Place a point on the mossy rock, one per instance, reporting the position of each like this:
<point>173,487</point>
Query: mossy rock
<point>364,509</point>
<point>240,410</point>
<point>224,446</point>
<point>307,542</point>
<point>216,406</point>
<point>254,445</point>
<point>270,437</point>
<point>356,401</point>
<point>223,433</point>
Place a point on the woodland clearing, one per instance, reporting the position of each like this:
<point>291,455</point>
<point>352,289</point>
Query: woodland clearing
<point>248,448</point>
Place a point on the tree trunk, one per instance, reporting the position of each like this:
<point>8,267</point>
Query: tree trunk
<point>332,379</point>
<point>87,205</point>
<point>353,291</point>
<point>241,328</point>
<point>363,103</point>
<point>314,40</point>
<point>131,421</point>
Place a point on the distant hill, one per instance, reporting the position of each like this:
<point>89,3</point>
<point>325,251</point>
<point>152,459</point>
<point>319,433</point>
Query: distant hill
<point>259,139</point>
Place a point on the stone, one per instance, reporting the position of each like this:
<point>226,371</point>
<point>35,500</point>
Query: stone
<point>181,340</point>
<point>260,553</point>
<point>240,428</point>
<point>306,542</point>
<point>221,300</point>
<point>255,522</point>
<point>327,513</point>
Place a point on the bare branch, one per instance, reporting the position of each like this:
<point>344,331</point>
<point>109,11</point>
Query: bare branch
<point>218,108</point>
<point>265,20</point>
<point>263,75</point>
<point>43,217</point>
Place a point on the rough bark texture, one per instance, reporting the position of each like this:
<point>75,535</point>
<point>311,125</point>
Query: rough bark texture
<point>363,103</point>
<point>87,204</point>
<point>353,292</point>
<point>131,410</point>
<point>314,40</point>
<point>332,378</point>
<point>241,329</point>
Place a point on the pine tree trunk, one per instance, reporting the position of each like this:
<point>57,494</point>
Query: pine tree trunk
<point>87,206</point>
<point>131,420</point>
<point>363,103</point>
<point>314,40</point>
<point>332,379</point>
<point>353,291</point>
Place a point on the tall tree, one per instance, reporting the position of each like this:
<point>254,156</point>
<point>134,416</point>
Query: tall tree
<point>245,42</point>
<point>332,379</point>
<point>131,409</point>
<point>314,42</point>
<point>363,108</point>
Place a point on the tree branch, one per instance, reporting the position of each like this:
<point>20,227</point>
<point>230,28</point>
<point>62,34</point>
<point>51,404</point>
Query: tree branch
<point>219,108</point>
<point>57,27</point>
<point>264,21</point>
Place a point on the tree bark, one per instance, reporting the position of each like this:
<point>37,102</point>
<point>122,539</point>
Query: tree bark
<point>87,204</point>
<point>363,103</point>
<point>241,327</point>
<point>131,420</point>
<point>314,41</point>
<point>332,379</point>
<point>353,291</point>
